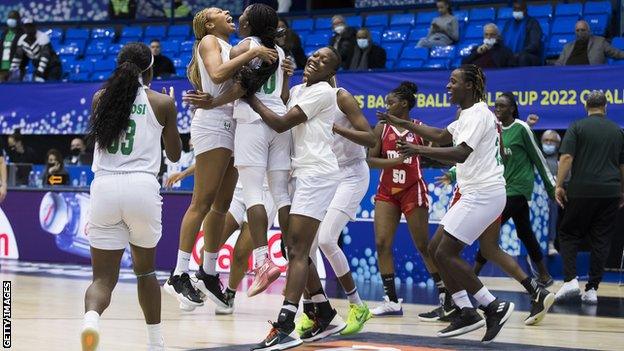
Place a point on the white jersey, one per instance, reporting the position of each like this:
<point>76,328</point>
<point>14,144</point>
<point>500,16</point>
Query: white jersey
<point>138,148</point>
<point>346,151</point>
<point>208,86</point>
<point>483,169</point>
<point>313,139</point>
<point>270,94</point>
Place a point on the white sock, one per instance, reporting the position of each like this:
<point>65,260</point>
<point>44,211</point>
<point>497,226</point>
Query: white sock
<point>318,298</point>
<point>354,297</point>
<point>484,297</point>
<point>91,320</point>
<point>154,334</point>
<point>210,262</point>
<point>259,255</point>
<point>461,299</point>
<point>182,266</point>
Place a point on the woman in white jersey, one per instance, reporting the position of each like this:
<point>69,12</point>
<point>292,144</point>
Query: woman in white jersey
<point>127,124</point>
<point>212,134</point>
<point>476,152</point>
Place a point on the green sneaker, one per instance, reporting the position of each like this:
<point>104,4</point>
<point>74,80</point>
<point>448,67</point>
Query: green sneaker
<point>303,324</point>
<point>358,315</point>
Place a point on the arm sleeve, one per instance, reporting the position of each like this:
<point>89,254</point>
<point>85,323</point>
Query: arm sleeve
<point>612,52</point>
<point>535,38</point>
<point>568,144</point>
<point>454,30</point>
<point>378,59</point>
<point>315,101</point>
<point>535,154</point>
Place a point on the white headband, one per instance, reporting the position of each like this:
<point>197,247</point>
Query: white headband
<point>143,71</point>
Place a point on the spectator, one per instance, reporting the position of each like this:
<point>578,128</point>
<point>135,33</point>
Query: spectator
<point>180,9</point>
<point>121,9</point>
<point>444,29</point>
<point>367,55</point>
<point>492,53</point>
<point>18,152</point>
<point>163,67</point>
<point>523,35</point>
<point>54,167</point>
<point>3,176</point>
<point>587,49</point>
<point>593,148</point>
<point>35,45</point>
<point>343,40</point>
<point>79,155</point>
<point>291,43</point>
<point>284,6</point>
<point>550,146</point>
<point>8,40</point>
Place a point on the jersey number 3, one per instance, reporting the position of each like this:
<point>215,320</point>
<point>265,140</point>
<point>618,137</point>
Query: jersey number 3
<point>127,144</point>
<point>398,176</point>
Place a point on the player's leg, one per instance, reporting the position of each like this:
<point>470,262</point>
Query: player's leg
<point>480,259</point>
<point>238,266</point>
<point>143,261</point>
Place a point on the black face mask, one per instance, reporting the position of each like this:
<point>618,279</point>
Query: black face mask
<point>75,152</point>
<point>51,164</point>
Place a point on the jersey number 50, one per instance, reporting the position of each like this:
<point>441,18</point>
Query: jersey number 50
<point>398,176</point>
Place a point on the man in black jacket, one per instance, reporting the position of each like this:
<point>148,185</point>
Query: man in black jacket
<point>523,35</point>
<point>367,55</point>
<point>35,45</point>
<point>343,39</point>
<point>492,53</point>
<point>8,43</point>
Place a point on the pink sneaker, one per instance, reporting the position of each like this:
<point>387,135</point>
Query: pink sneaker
<point>266,274</point>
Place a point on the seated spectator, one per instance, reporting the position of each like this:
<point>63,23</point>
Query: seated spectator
<point>587,49</point>
<point>523,35</point>
<point>444,29</point>
<point>163,67</point>
<point>343,39</point>
<point>8,43</point>
<point>79,155</point>
<point>492,53</point>
<point>35,45</point>
<point>54,167</point>
<point>122,9</point>
<point>291,43</point>
<point>367,55</point>
<point>180,9</point>
<point>18,152</point>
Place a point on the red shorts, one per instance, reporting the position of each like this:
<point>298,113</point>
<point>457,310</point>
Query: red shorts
<point>407,200</point>
<point>457,196</point>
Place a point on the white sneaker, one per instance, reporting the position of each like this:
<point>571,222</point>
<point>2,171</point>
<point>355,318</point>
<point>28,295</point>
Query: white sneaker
<point>551,249</point>
<point>590,296</point>
<point>157,347</point>
<point>388,308</point>
<point>90,338</point>
<point>568,290</point>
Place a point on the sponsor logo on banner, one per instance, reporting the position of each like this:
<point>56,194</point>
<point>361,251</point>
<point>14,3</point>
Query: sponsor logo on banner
<point>8,245</point>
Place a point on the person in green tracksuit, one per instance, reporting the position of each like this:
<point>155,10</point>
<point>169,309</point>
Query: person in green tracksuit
<point>522,154</point>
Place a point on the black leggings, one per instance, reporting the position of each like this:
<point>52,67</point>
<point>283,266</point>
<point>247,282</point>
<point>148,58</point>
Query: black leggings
<point>517,207</point>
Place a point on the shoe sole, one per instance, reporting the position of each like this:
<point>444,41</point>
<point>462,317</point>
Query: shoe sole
<point>90,338</point>
<point>429,320</point>
<point>327,332</point>
<point>181,298</point>
<point>255,290</point>
<point>502,323</point>
<point>208,294</point>
<point>590,302</point>
<point>389,314</point>
<point>548,302</point>
<point>568,295</point>
<point>286,346</point>
<point>464,330</point>
<point>225,311</point>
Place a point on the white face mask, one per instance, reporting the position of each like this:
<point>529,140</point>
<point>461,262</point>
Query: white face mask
<point>11,22</point>
<point>339,28</point>
<point>489,41</point>
<point>518,15</point>
<point>362,43</point>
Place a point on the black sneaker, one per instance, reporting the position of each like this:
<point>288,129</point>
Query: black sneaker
<point>324,327</point>
<point>443,313</point>
<point>180,287</point>
<point>229,298</point>
<point>211,287</point>
<point>545,284</point>
<point>467,321</point>
<point>432,316</point>
<point>496,314</point>
<point>279,338</point>
<point>540,306</point>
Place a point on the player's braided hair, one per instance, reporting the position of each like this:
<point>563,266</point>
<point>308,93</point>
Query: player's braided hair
<point>512,100</point>
<point>406,91</point>
<point>474,74</point>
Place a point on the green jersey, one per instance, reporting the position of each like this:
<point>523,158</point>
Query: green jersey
<point>522,153</point>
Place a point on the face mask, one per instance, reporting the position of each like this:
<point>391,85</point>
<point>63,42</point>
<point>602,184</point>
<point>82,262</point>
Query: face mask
<point>339,28</point>
<point>518,15</point>
<point>75,152</point>
<point>12,22</point>
<point>51,164</point>
<point>362,43</point>
<point>549,149</point>
<point>489,41</point>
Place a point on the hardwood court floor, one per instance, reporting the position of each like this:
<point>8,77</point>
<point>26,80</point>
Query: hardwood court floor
<point>47,315</point>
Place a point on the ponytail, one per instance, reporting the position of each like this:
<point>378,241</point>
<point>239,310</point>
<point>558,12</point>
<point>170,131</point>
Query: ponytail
<point>199,31</point>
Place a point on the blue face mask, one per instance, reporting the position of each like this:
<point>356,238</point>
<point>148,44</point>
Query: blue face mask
<point>549,149</point>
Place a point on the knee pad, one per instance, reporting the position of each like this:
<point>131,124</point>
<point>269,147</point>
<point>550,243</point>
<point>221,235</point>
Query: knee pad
<point>252,179</point>
<point>278,185</point>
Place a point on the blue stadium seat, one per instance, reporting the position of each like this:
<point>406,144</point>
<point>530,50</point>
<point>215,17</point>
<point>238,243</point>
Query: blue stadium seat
<point>539,11</point>
<point>456,63</point>
<point>500,23</point>
<point>170,48</point>
<point>234,40</point>
<point>616,62</point>
<point>465,48</point>
<point>96,48</point>
<point>79,44</point>
<point>179,63</point>
<point>79,76</point>
<point>504,13</point>
<point>411,52</point>
<point>375,36</point>
<point>443,52</point>
<point>390,64</point>
<point>181,72</point>
<point>461,15</point>
<point>54,33</point>
<point>392,50</point>
<point>545,25</point>
<point>417,33</point>
<point>309,50</point>
<point>557,43</point>
<point>103,33</point>
<point>574,9</point>
<point>106,66</point>
<point>84,66</point>
<point>394,35</point>
<point>179,31</point>
<point>186,46</point>
<point>93,58</point>
<point>437,63</point>
<point>402,20</point>
<point>474,31</point>
<point>77,33</point>
<point>302,24</point>
<point>324,23</point>
<point>597,7</point>
<point>410,64</point>
<point>317,39</point>
<point>563,25</point>
<point>132,32</point>
<point>598,23</point>
<point>482,14</point>
<point>426,17</point>
<point>354,21</point>
<point>114,49</point>
<point>155,32</point>
<point>618,42</point>
<point>376,21</point>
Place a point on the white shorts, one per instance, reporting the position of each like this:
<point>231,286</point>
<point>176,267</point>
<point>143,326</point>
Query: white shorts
<point>313,195</point>
<point>212,133</point>
<point>256,144</point>
<point>237,206</point>
<point>352,188</point>
<point>473,213</point>
<point>125,208</point>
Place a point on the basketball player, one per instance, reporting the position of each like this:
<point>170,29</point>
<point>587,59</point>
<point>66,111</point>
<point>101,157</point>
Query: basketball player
<point>401,190</point>
<point>127,123</point>
<point>311,115</point>
<point>212,134</point>
<point>476,151</point>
